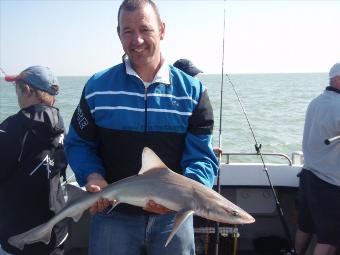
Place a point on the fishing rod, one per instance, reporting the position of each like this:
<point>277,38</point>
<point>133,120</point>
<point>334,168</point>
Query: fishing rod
<point>258,151</point>
<point>330,140</point>
<point>217,225</point>
<point>2,71</point>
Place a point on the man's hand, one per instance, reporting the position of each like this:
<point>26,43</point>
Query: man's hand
<point>217,151</point>
<point>152,207</point>
<point>95,183</point>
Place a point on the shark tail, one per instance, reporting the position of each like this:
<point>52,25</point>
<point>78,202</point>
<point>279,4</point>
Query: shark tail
<point>40,233</point>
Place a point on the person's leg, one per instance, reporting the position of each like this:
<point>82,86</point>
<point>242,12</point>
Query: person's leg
<point>326,210</point>
<point>306,226</point>
<point>302,240</point>
<point>158,230</point>
<point>324,249</point>
<point>117,234</point>
<point>328,233</point>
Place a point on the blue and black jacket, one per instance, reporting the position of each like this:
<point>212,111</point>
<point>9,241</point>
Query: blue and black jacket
<point>118,116</point>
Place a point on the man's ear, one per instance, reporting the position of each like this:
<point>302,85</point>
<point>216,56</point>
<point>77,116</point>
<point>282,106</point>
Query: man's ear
<point>26,90</point>
<point>162,30</point>
<point>118,32</point>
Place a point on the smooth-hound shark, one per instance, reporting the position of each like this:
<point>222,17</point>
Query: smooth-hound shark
<point>155,181</point>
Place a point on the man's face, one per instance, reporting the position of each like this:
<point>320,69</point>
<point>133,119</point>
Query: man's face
<point>140,34</point>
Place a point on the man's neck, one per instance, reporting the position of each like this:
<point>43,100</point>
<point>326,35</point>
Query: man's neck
<point>148,72</point>
<point>334,89</point>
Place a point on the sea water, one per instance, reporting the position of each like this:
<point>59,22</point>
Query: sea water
<point>275,105</point>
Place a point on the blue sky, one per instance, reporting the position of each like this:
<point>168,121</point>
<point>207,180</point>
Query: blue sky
<point>79,37</point>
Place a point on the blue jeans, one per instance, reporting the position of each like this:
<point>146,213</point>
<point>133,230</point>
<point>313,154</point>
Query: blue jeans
<point>122,234</point>
<point>2,252</point>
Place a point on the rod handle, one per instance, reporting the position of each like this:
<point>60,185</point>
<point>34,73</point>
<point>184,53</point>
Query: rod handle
<point>329,140</point>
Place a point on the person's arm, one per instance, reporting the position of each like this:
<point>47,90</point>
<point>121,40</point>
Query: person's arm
<point>82,153</point>
<point>199,161</point>
<point>96,182</point>
<point>81,144</point>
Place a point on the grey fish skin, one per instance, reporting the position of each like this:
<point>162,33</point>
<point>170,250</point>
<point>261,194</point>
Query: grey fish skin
<point>154,182</point>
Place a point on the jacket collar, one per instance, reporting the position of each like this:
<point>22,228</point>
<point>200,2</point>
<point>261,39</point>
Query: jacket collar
<point>162,76</point>
<point>330,88</point>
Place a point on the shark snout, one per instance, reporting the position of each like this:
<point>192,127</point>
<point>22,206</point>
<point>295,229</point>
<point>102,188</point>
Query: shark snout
<point>236,216</point>
<point>243,216</point>
<point>248,219</point>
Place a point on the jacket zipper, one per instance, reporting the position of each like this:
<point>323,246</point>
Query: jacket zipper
<point>145,109</point>
<point>22,145</point>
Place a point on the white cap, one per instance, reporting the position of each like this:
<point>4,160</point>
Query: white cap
<point>334,71</point>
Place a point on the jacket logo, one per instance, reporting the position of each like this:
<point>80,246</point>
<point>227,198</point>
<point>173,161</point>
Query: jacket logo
<point>47,162</point>
<point>174,103</point>
<point>82,121</point>
<point>61,139</point>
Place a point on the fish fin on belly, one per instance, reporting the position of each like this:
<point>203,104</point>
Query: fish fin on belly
<point>40,233</point>
<point>181,216</point>
<point>77,217</point>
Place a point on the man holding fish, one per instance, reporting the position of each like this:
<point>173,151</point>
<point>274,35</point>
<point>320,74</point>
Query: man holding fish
<point>141,102</point>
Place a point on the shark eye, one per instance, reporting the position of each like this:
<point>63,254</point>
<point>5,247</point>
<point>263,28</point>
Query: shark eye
<point>234,213</point>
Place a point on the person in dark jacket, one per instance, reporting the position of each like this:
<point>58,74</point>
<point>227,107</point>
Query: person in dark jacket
<point>32,161</point>
<point>187,66</point>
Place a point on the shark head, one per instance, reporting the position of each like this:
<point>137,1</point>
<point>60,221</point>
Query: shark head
<point>224,211</point>
<point>232,214</point>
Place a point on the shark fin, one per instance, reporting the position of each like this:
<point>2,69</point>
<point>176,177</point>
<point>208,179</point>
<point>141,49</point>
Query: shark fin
<point>181,216</point>
<point>73,192</point>
<point>40,233</point>
<point>150,161</point>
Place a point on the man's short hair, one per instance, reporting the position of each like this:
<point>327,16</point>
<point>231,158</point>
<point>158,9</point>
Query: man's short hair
<point>132,5</point>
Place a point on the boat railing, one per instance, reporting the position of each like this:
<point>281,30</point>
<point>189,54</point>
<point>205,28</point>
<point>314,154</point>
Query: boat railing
<point>227,156</point>
<point>297,158</point>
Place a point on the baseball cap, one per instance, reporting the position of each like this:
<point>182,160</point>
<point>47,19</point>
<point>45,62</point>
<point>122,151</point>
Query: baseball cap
<point>187,66</point>
<point>334,71</point>
<point>38,77</point>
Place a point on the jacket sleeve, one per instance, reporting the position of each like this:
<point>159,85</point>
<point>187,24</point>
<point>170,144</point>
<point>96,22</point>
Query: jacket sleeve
<point>9,150</point>
<point>81,144</point>
<point>199,161</point>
